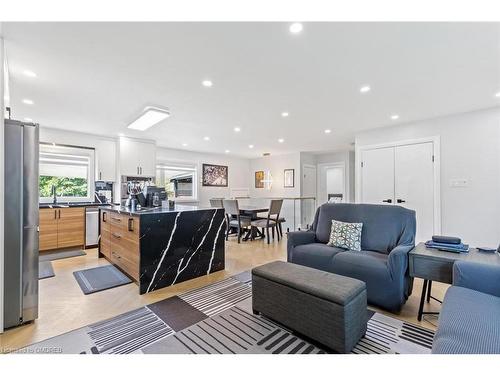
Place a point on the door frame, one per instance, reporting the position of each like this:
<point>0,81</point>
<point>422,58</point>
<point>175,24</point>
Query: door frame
<point>339,164</point>
<point>436,145</point>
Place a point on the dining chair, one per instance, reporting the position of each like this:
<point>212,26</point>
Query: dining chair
<point>216,202</point>
<point>272,220</point>
<point>234,219</point>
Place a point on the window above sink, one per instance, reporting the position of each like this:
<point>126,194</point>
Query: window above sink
<point>70,170</point>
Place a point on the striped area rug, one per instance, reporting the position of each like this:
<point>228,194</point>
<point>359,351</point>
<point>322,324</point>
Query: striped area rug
<point>218,319</point>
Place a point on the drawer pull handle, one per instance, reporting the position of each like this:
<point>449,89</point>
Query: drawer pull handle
<point>116,236</point>
<point>104,217</point>
<point>131,225</point>
<point>116,218</point>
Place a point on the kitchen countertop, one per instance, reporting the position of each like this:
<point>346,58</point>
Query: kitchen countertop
<point>157,210</point>
<point>72,204</point>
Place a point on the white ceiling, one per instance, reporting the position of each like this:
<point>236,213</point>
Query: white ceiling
<point>97,77</point>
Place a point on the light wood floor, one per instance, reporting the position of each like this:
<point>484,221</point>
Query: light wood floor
<point>63,307</point>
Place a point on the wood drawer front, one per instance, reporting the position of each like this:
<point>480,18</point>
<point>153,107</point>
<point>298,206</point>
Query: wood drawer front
<point>105,243</point>
<point>431,269</point>
<point>130,267</point>
<point>124,246</point>
<point>71,226</point>
<point>128,225</point>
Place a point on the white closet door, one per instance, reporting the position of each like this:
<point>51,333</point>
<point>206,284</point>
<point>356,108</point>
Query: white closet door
<point>414,184</point>
<point>377,180</point>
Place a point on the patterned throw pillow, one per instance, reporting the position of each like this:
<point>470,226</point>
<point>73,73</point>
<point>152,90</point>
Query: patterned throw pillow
<point>346,235</point>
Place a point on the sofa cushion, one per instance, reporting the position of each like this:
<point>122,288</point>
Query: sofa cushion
<point>346,235</point>
<point>384,227</point>
<point>468,324</point>
<point>315,255</point>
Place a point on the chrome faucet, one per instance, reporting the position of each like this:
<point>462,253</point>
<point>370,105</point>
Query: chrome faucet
<point>54,194</point>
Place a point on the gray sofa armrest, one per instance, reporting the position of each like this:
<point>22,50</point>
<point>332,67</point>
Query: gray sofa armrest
<point>299,238</point>
<point>398,261</point>
<point>482,277</point>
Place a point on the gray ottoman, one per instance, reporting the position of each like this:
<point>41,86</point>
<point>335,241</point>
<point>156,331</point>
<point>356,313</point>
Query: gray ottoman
<point>328,308</point>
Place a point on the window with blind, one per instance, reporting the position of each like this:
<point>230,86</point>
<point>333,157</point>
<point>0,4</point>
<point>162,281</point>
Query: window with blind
<point>69,170</point>
<point>179,181</point>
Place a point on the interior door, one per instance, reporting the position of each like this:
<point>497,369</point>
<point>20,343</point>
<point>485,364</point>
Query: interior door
<point>414,184</point>
<point>377,179</point>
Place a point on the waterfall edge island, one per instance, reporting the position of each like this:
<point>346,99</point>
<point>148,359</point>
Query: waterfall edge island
<point>159,247</point>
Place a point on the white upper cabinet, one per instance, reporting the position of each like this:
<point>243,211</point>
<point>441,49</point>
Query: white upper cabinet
<point>137,158</point>
<point>105,160</point>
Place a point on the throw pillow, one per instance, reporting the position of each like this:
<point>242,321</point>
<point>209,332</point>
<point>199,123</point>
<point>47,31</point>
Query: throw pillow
<point>346,235</point>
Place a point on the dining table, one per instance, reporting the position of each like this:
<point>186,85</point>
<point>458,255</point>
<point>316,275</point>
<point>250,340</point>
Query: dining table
<point>252,212</point>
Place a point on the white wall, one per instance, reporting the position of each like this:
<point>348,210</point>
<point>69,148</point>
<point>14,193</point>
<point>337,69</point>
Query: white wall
<point>346,157</point>
<point>277,165</point>
<point>1,173</point>
<point>238,177</point>
<point>470,150</point>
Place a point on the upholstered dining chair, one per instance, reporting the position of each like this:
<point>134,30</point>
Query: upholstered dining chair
<point>234,219</point>
<point>272,220</point>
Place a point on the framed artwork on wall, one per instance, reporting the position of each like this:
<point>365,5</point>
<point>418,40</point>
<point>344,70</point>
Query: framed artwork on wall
<point>289,178</point>
<point>259,179</point>
<point>214,175</point>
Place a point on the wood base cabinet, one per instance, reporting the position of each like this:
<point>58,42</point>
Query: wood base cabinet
<point>120,241</point>
<point>61,228</point>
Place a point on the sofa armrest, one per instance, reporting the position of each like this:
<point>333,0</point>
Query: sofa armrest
<point>482,277</point>
<point>299,238</point>
<point>398,260</point>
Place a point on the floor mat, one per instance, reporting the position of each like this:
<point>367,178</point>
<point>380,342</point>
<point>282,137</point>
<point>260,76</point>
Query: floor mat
<point>48,255</point>
<point>45,270</point>
<point>96,279</point>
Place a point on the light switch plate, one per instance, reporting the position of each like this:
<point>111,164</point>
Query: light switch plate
<point>459,183</point>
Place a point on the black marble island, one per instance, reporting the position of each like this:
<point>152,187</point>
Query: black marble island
<point>159,247</point>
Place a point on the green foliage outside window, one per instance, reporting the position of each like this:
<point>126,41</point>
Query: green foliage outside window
<point>65,186</point>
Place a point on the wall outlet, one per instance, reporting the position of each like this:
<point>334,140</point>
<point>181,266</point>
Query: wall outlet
<point>459,183</point>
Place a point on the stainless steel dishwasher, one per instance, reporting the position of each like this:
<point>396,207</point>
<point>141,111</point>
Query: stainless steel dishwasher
<point>91,226</point>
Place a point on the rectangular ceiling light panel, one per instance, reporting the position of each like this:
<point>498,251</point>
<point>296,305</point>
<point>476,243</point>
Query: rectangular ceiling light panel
<point>150,117</point>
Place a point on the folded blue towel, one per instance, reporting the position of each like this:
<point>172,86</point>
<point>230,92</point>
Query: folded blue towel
<point>447,246</point>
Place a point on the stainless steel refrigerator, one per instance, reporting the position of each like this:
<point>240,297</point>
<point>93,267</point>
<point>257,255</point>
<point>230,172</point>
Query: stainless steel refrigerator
<point>21,223</point>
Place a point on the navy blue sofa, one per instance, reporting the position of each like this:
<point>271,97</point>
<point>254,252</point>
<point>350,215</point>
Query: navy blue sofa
<point>388,235</point>
<point>469,322</point>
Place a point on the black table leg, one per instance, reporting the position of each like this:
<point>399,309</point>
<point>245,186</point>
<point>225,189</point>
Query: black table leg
<point>429,288</point>
<point>422,300</point>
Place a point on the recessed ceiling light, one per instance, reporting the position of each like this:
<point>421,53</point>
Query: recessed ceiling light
<point>227,151</point>
<point>206,138</point>
<point>250,146</point>
<point>207,83</point>
<point>281,140</point>
<point>29,73</point>
<point>184,144</point>
<point>394,117</point>
<point>236,129</point>
<point>296,27</point>
<point>327,131</point>
<point>365,89</point>
<point>497,94</point>
<point>151,116</point>
<point>28,101</point>
<point>28,119</point>
<point>284,114</point>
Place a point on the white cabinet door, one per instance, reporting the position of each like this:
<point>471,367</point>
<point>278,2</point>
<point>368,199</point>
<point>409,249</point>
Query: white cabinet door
<point>106,160</point>
<point>377,176</point>
<point>147,159</point>
<point>129,157</point>
<point>414,184</point>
